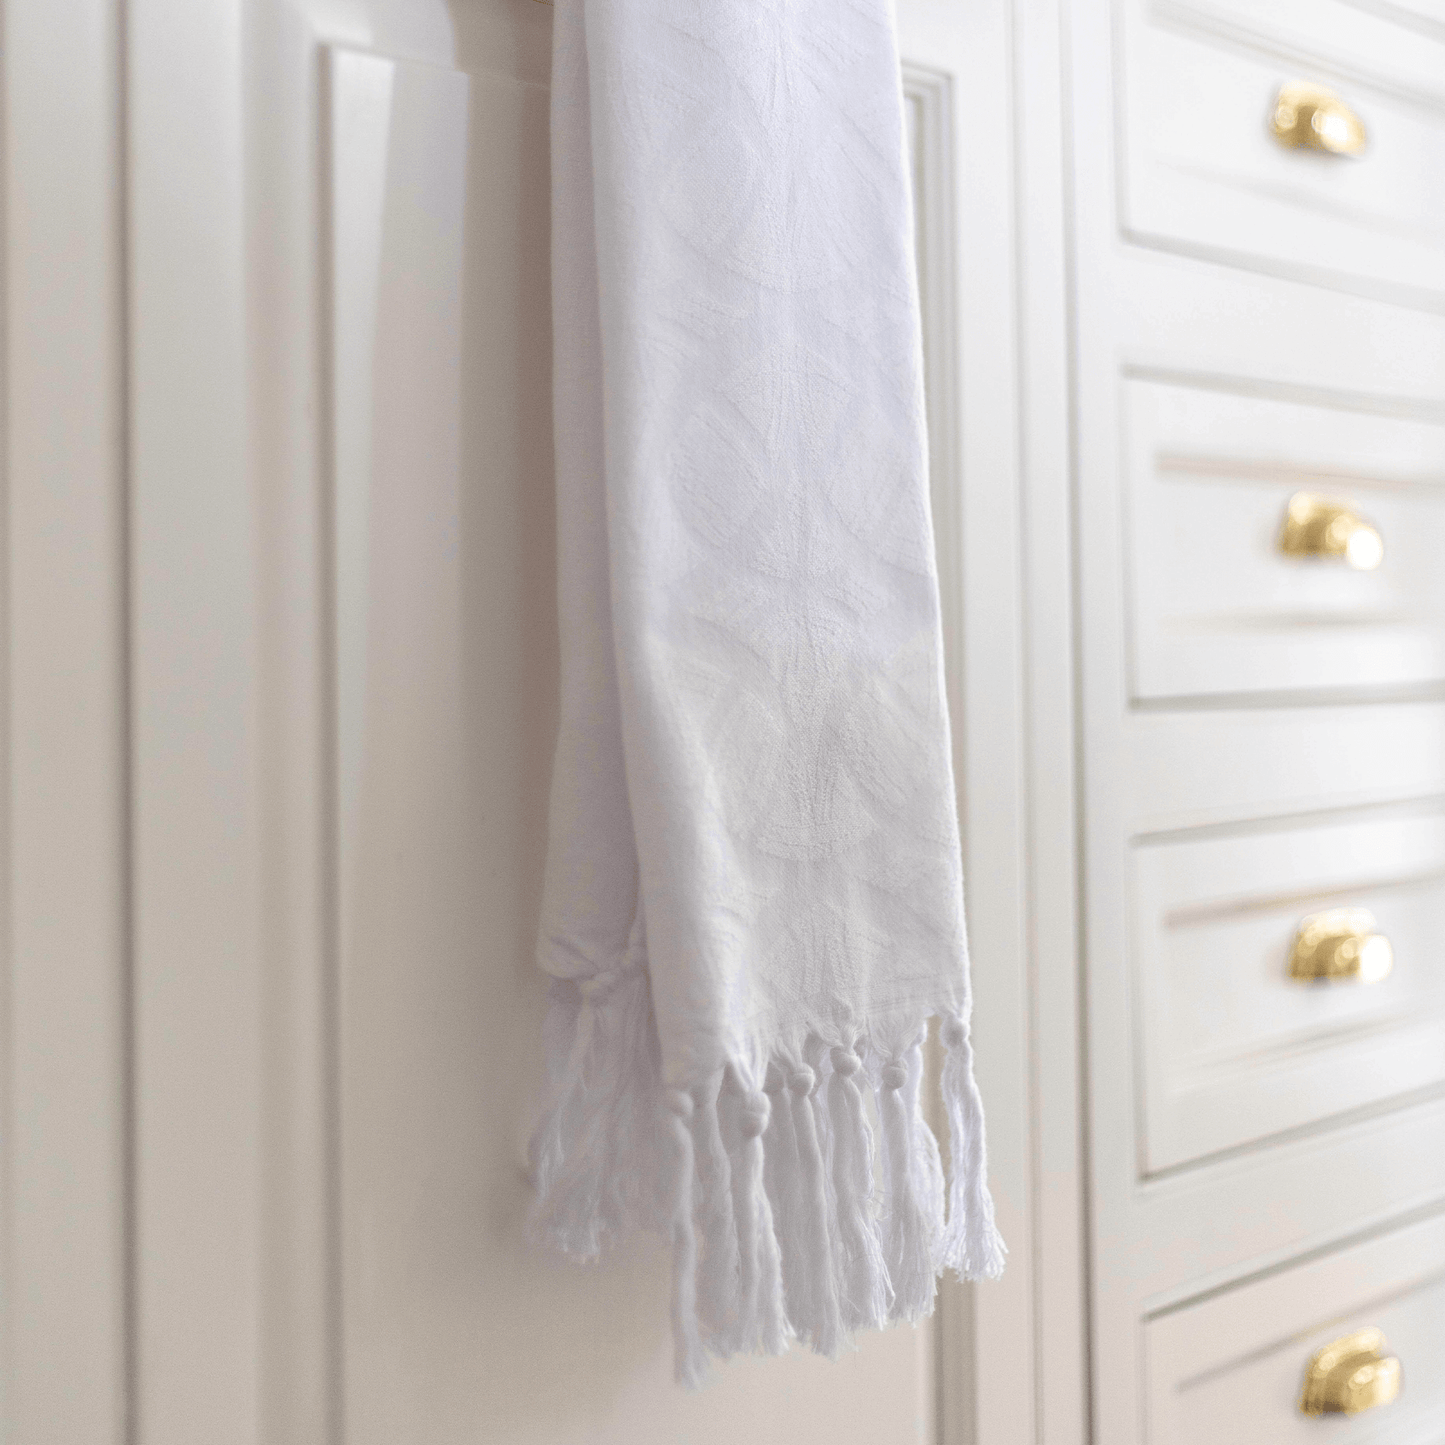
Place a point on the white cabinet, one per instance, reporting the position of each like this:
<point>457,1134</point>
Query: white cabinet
<point>278,498</point>
<point>1261,735</point>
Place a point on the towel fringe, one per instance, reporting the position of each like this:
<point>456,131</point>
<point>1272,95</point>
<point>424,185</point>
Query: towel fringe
<point>816,1317</point>
<point>788,1196</point>
<point>719,1269</point>
<point>913,1210</point>
<point>594,1156</point>
<point>761,1320</point>
<point>786,1221</point>
<point>689,1359</point>
<point>864,1292</point>
<point>971,1244</point>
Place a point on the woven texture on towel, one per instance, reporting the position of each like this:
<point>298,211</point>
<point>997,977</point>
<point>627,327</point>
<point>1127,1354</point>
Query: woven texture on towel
<point>754,899</point>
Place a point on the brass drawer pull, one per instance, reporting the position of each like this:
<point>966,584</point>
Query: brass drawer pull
<point>1341,945</point>
<point>1312,117</point>
<point>1351,1375</point>
<point>1315,526</point>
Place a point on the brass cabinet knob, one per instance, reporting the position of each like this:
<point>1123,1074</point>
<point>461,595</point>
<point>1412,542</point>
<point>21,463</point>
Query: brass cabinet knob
<point>1316,526</point>
<point>1341,945</point>
<point>1313,117</point>
<point>1351,1375</point>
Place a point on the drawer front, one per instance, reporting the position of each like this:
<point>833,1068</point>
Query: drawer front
<point>1232,1368</point>
<point>1201,168</point>
<point>1215,607</point>
<point>1188,768</point>
<point>1235,1050</point>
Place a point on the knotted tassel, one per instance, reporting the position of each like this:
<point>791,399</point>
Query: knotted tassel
<point>689,1361</point>
<point>718,1276</point>
<point>773,1331</point>
<point>910,1229</point>
<point>594,1152</point>
<point>862,1274</point>
<point>587,1153</point>
<point>566,1149</point>
<point>926,1162</point>
<point>547,1148</point>
<point>783,1180</point>
<point>760,1314</point>
<point>818,1317</point>
<point>971,1245</point>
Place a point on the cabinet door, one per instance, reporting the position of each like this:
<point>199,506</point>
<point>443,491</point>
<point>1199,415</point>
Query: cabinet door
<point>455,1327</point>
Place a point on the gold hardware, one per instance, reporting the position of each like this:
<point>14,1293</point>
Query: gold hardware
<point>1316,526</point>
<point>1351,1375</point>
<point>1341,945</point>
<point>1311,116</point>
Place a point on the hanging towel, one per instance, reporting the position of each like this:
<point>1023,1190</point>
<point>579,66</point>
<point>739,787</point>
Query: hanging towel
<point>754,901</point>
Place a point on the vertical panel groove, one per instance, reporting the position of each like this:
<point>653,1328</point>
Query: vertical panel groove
<point>130,1428</point>
<point>1027,706</point>
<point>327,760</point>
<point>7,1036</point>
<point>1081,778</point>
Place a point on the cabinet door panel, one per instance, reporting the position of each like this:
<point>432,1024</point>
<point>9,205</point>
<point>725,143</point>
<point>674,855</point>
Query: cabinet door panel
<point>445,691</point>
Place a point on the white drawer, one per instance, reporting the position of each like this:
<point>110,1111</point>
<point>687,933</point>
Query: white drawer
<point>1234,1050</point>
<point>1230,1369</point>
<point>1200,168</point>
<point>1213,607</point>
<point>1187,768</point>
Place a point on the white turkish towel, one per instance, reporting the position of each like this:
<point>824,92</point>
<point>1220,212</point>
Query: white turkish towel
<point>754,753</point>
